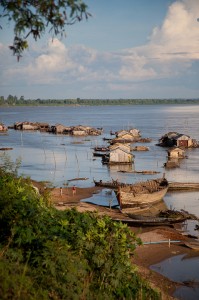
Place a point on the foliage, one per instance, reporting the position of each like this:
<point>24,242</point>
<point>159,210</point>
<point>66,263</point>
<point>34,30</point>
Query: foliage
<point>13,100</point>
<point>16,282</point>
<point>51,254</point>
<point>31,18</point>
<point>7,165</point>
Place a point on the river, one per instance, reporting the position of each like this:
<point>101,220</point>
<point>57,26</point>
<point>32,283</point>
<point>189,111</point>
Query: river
<point>60,158</point>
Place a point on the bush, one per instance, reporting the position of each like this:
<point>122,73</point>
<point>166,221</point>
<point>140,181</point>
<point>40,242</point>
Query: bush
<point>51,254</point>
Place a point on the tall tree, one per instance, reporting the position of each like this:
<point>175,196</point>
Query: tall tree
<point>33,17</point>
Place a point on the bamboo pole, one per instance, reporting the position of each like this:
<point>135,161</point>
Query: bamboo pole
<point>161,242</point>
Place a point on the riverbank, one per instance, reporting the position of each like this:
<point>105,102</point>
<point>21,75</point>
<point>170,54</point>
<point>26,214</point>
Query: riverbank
<point>145,255</point>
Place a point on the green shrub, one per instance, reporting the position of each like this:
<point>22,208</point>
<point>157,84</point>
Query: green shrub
<point>51,254</point>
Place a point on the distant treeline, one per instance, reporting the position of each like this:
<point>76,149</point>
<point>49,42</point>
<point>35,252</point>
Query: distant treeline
<point>14,100</point>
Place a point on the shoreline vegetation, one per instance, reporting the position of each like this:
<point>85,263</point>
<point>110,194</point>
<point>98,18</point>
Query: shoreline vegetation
<point>23,235</point>
<point>46,253</point>
<point>15,101</point>
<point>76,250</point>
<point>150,252</point>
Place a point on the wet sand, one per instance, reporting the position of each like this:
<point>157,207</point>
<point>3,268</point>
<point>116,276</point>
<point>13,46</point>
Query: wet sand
<point>146,254</point>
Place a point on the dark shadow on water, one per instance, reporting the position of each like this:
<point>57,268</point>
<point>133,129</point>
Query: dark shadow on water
<point>184,270</point>
<point>187,293</point>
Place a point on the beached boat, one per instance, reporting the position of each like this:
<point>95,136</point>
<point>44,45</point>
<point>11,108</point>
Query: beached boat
<point>141,194</point>
<point>139,220</point>
<point>193,245</point>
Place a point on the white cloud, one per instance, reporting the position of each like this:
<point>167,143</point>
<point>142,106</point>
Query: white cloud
<point>179,34</point>
<point>171,50</point>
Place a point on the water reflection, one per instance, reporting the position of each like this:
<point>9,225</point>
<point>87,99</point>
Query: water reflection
<point>186,293</point>
<point>187,200</point>
<point>121,168</point>
<point>106,197</point>
<point>183,270</point>
<point>58,158</point>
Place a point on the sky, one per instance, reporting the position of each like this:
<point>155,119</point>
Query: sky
<point>128,49</point>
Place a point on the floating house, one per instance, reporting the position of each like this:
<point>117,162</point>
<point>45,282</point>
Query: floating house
<point>172,139</point>
<point>79,132</point>
<point>133,131</point>
<point>125,147</point>
<point>125,138</point>
<point>118,156</point>
<point>121,133</point>
<point>3,127</point>
<point>183,140</point>
<point>31,126</point>
<point>86,130</point>
<point>176,152</point>
<point>43,126</point>
<point>60,129</point>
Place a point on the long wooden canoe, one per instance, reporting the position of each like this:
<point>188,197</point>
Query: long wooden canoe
<point>173,186</point>
<point>153,221</point>
<point>114,184</point>
<point>183,186</point>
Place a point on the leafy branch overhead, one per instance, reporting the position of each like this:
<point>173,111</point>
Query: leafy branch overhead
<point>33,17</point>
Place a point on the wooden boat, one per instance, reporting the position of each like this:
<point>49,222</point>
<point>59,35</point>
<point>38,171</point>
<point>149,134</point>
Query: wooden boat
<point>101,149</point>
<point>5,149</point>
<point>163,218</point>
<point>98,154</point>
<point>156,219</point>
<point>114,184</point>
<point>138,220</point>
<point>173,186</point>
<point>183,186</point>
<point>193,245</point>
<point>141,194</point>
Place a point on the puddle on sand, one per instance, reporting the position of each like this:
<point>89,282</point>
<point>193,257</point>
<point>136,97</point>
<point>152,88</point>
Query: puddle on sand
<point>106,197</point>
<point>181,269</point>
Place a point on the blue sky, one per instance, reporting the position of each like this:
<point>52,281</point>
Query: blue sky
<point>127,49</point>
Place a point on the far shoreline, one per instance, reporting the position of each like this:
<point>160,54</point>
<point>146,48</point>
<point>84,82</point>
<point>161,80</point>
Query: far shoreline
<point>13,101</point>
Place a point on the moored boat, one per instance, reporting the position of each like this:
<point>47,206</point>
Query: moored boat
<point>114,184</point>
<point>141,194</point>
<point>101,149</point>
<point>150,221</point>
<point>98,154</point>
<point>193,245</point>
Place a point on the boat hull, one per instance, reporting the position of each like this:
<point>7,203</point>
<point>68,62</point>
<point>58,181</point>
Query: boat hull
<point>128,199</point>
<point>151,222</point>
<point>193,245</point>
<point>112,185</point>
<point>142,194</point>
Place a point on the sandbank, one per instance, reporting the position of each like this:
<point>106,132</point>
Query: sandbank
<point>146,254</point>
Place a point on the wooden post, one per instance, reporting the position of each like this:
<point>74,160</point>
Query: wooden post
<point>110,203</point>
